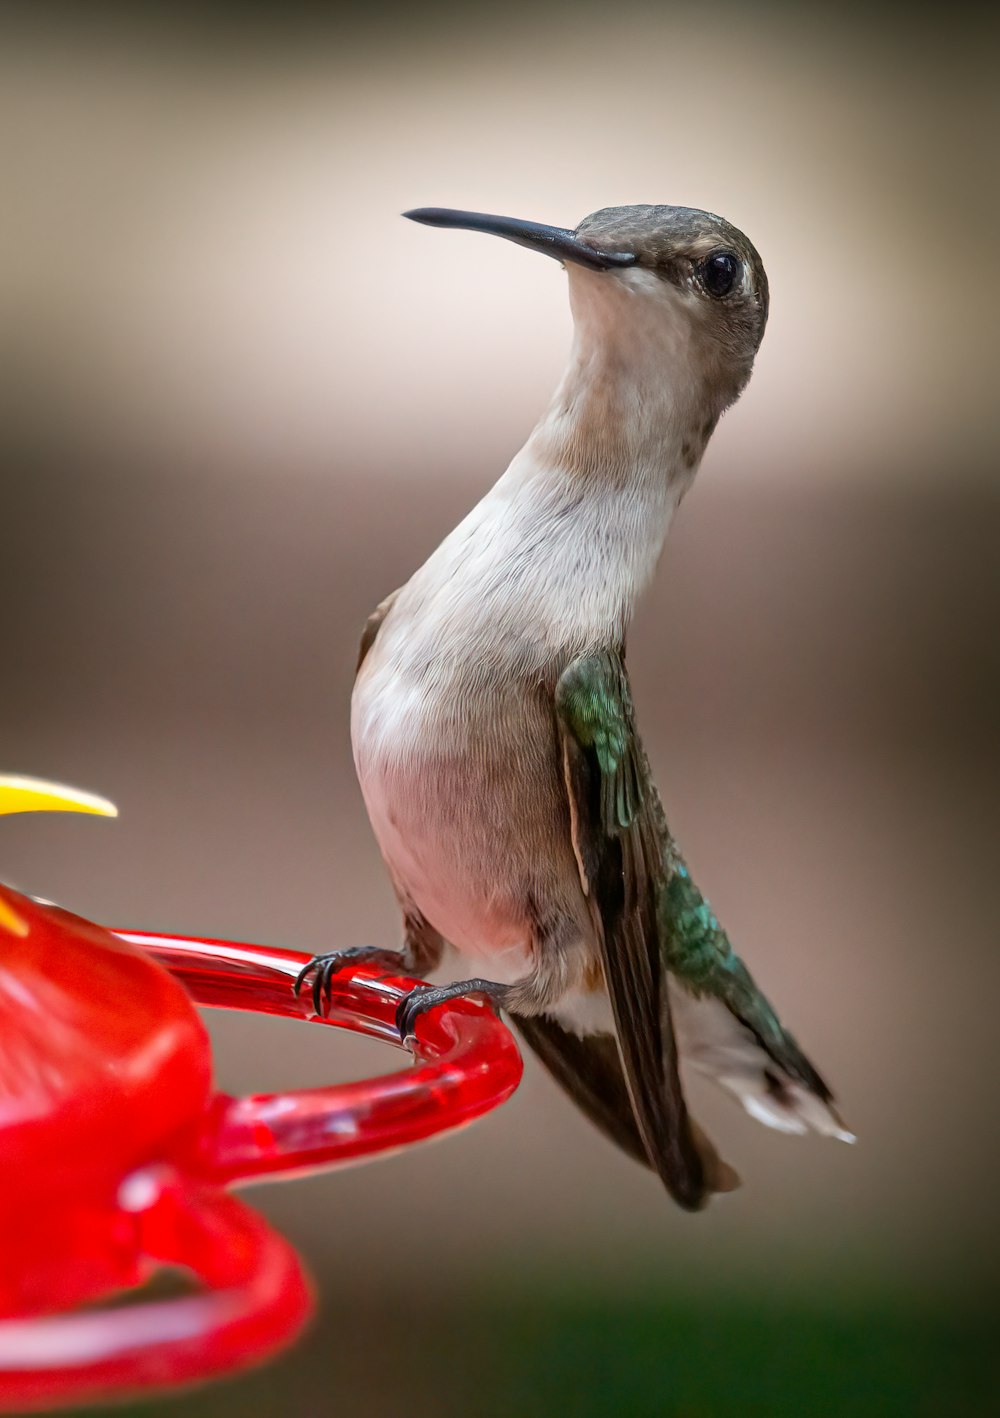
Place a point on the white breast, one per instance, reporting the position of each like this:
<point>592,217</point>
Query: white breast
<point>452,722</point>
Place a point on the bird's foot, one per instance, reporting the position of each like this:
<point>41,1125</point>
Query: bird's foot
<point>425,997</point>
<point>323,968</point>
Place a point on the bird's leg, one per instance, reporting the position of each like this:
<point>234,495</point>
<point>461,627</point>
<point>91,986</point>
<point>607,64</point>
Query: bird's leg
<point>421,953</point>
<point>426,997</point>
<point>323,968</point>
<point>545,983</point>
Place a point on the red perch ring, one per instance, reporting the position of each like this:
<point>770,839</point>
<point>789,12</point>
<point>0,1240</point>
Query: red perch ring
<point>467,1061</point>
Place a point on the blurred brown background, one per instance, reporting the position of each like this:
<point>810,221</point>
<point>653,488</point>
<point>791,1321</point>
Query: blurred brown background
<point>243,400</point>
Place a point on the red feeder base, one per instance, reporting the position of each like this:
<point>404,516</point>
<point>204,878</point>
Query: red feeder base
<point>115,1149</point>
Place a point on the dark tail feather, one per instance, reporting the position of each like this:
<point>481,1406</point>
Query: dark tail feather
<point>589,1070</point>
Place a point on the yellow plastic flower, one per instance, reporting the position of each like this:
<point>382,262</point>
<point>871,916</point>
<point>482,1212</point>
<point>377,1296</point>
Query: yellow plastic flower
<point>19,794</point>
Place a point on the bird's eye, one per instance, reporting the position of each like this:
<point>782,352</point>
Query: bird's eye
<point>719,272</point>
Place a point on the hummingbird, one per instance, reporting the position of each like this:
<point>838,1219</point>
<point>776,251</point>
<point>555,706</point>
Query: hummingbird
<point>494,732</point>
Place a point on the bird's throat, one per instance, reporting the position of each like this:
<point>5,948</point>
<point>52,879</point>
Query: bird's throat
<point>632,407</point>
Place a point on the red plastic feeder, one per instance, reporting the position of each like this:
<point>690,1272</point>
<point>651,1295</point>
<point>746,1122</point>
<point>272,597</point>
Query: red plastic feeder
<point>114,1149</point>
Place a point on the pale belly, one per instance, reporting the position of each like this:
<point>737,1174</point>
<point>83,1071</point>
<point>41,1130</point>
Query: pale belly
<point>466,801</point>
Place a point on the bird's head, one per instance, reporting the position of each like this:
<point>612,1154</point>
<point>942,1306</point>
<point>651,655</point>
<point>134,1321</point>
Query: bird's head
<point>658,285</point>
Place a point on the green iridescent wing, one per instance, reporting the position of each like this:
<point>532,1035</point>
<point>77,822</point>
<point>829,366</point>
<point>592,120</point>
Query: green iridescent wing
<point>614,820</point>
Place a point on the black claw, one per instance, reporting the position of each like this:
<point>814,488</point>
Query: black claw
<point>300,978</point>
<point>321,985</point>
<point>410,1008</point>
<point>425,997</point>
<point>324,967</point>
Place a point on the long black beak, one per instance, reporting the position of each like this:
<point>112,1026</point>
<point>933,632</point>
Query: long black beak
<point>550,240</point>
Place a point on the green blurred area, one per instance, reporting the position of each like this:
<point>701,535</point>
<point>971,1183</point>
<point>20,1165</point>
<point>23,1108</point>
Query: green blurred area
<point>542,1355</point>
